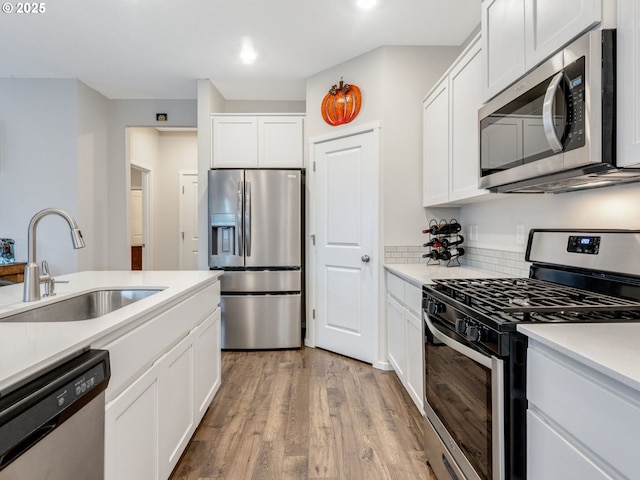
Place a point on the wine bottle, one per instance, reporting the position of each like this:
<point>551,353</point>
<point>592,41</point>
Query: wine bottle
<point>445,228</point>
<point>433,255</point>
<point>446,243</point>
<point>434,242</point>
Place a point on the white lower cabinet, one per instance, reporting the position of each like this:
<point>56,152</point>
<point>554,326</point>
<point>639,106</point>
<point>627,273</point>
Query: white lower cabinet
<point>207,363</point>
<point>404,335</point>
<point>396,327</point>
<point>552,456</point>
<point>176,419</point>
<point>415,351</point>
<point>580,423</point>
<point>131,431</point>
<point>150,420</point>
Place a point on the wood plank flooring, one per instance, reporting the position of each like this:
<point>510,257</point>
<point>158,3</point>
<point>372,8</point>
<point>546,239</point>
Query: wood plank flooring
<point>306,414</point>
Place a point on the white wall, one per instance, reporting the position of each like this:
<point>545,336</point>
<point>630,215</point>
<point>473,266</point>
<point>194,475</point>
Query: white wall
<point>178,151</point>
<point>93,192</point>
<point>393,82</point>
<point>611,207</point>
<point>209,100</point>
<point>133,113</point>
<point>38,165</point>
<point>262,106</point>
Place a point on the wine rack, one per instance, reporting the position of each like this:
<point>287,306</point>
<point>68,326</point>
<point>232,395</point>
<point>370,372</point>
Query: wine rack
<point>444,240</point>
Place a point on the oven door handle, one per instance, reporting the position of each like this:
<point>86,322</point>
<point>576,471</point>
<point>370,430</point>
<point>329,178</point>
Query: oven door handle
<point>458,347</point>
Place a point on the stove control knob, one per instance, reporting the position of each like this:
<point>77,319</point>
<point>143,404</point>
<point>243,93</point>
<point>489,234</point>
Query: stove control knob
<point>473,334</point>
<point>434,307</point>
<point>461,326</point>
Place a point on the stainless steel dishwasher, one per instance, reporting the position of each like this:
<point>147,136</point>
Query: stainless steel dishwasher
<point>52,427</point>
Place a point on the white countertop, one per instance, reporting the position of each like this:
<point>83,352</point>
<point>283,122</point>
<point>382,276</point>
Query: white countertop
<point>26,348</point>
<point>609,348</point>
<point>420,274</point>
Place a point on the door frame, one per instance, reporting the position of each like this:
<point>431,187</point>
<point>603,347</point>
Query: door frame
<point>181,176</point>
<point>380,344</point>
<point>147,214</point>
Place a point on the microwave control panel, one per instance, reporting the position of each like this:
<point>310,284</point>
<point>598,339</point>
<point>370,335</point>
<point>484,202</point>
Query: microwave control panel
<point>575,98</point>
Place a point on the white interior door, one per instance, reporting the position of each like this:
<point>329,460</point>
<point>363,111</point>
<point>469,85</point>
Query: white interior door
<point>136,218</point>
<point>346,260</point>
<point>188,221</point>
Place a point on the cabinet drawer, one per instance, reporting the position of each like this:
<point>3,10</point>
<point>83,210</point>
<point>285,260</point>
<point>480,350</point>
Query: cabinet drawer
<point>413,298</point>
<point>138,348</point>
<point>395,286</point>
<point>592,408</point>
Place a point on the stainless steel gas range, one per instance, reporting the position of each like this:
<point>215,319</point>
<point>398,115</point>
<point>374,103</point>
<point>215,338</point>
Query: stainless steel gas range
<point>475,360</point>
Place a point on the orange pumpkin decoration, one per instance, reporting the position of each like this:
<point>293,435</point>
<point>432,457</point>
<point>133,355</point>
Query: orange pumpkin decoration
<point>341,104</point>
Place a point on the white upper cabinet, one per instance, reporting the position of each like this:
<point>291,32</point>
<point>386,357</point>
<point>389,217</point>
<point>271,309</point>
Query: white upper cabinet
<point>465,100</point>
<point>519,35</point>
<point>435,144</point>
<point>280,142</point>
<point>628,87</point>
<point>549,25</point>
<point>253,141</point>
<point>502,43</point>
<point>234,141</point>
<point>450,137</point>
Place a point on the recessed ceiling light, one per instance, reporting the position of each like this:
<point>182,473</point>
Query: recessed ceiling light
<point>248,54</point>
<point>366,4</point>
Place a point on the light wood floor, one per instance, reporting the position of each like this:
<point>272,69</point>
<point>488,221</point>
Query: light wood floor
<point>306,414</point>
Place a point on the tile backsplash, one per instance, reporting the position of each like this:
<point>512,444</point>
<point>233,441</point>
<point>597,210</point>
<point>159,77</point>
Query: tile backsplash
<point>510,263</point>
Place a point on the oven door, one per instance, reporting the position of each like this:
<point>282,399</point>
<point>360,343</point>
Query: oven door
<point>464,393</point>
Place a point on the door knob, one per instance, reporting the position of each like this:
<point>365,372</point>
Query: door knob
<point>365,258</point>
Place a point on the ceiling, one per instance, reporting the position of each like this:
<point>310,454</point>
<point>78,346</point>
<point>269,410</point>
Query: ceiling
<point>143,49</point>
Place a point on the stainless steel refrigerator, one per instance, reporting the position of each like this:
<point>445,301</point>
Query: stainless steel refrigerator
<point>255,236</point>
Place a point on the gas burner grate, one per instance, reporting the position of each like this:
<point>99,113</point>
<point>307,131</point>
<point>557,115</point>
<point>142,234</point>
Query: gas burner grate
<point>531,299</point>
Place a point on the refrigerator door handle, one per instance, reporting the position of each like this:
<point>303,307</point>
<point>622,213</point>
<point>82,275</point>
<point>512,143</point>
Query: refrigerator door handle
<point>247,219</point>
<point>239,218</point>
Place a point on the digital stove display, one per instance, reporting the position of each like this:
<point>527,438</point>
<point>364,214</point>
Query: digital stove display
<point>587,245</point>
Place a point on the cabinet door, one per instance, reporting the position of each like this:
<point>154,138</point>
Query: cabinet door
<point>502,44</point>
<point>415,362</point>
<point>207,359</point>
<point>176,403</point>
<point>466,99</point>
<point>549,455</point>
<point>550,25</point>
<point>131,431</point>
<point>436,146</point>
<point>234,142</point>
<point>628,83</point>
<point>396,336</point>
<point>280,142</point>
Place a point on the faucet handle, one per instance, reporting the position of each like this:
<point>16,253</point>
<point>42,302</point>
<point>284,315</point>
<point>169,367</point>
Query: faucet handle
<point>45,267</point>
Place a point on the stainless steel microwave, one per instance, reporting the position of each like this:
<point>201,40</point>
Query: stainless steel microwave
<point>554,130</point>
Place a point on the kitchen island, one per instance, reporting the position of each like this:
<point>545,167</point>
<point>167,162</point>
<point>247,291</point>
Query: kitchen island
<point>165,343</point>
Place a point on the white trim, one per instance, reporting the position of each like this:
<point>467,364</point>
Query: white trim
<point>181,177</point>
<point>147,213</point>
<point>347,132</point>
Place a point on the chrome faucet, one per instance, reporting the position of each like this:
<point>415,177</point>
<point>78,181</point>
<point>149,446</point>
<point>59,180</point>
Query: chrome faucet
<point>32,277</point>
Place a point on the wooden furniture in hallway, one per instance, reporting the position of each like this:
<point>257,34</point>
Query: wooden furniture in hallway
<point>13,272</point>
<point>306,414</point>
<point>136,257</point>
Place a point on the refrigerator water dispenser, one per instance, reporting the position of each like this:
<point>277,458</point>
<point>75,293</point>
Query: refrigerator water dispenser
<point>223,234</point>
